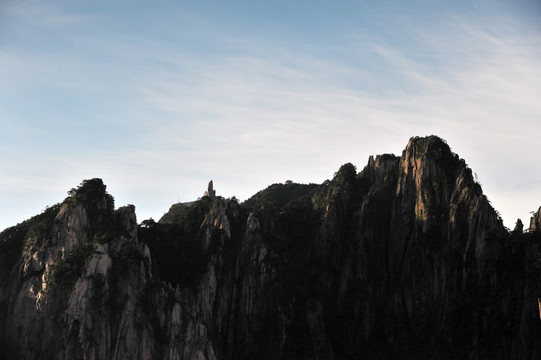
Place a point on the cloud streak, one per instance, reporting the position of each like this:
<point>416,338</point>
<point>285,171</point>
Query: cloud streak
<point>256,109</point>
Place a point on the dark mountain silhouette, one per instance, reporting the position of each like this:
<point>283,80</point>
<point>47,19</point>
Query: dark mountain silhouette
<point>406,259</point>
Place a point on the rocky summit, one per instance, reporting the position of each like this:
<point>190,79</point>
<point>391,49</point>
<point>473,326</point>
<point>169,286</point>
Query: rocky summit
<point>405,259</point>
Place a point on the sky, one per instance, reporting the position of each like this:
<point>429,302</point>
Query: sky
<point>159,97</point>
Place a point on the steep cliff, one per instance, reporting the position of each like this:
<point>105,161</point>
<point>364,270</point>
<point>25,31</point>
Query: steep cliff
<point>406,259</point>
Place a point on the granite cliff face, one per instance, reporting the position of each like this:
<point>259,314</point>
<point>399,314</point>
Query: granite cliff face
<point>406,259</point>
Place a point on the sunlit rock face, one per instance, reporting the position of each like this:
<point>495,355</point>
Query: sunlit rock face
<point>405,259</point>
<point>535,222</point>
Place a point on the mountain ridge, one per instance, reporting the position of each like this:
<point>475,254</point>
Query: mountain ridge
<point>405,259</point>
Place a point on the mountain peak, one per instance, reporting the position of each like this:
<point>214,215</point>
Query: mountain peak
<point>346,173</point>
<point>427,143</point>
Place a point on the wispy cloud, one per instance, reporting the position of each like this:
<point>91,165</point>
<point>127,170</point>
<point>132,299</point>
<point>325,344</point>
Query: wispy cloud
<point>496,87</point>
<point>257,110</point>
<point>31,12</point>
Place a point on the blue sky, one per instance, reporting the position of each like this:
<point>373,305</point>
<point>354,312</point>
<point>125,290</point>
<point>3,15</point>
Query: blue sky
<point>157,98</point>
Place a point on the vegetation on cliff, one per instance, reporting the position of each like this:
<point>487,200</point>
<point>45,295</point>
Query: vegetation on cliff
<point>16,241</point>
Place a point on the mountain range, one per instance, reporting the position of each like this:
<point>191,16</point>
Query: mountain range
<point>406,259</point>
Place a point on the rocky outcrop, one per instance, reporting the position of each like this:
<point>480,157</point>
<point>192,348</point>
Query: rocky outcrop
<point>535,222</point>
<point>406,259</point>
<point>211,193</point>
<point>92,294</point>
<point>423,237</point>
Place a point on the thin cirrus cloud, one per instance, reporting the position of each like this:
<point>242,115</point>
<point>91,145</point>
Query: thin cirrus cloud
<point>158,113</point>
<point>463,104</point>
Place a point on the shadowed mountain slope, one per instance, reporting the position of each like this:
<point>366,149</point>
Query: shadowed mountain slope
<point>406,259</point>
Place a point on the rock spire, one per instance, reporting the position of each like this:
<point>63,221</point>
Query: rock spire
<point>211,193</point>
